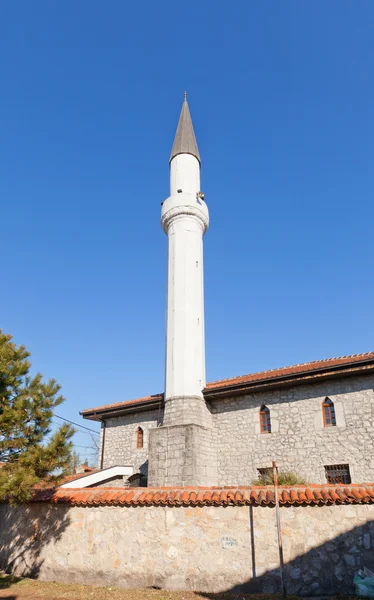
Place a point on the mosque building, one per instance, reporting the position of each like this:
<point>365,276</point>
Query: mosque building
<point>315,419</point>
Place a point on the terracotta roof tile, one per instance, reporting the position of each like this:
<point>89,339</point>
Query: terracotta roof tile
<point>356,493</point>
<point>200,496</point>
<point>292,370</point>
<point>334,496</point>
<point>118,405</point>
<point>341,495</point>
<point>215,497</point>
<point>246,496</point>
<point>305,369</point>
<point>78,475</point>
<point>318,496</point>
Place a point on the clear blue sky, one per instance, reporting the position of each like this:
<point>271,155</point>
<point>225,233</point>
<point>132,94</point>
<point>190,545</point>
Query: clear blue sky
<point>281,96</point>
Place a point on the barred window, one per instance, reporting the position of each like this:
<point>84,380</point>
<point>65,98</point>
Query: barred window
<point>265,421</point>
<point>337,474</point>
<point>139,438</point>
<point>328,410</point>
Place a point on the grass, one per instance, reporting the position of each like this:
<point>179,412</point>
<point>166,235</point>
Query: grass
<point>284,478</point>
<point>32,589</point>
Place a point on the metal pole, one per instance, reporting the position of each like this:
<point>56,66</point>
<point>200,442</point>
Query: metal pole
<point>279,531</point>
<point>102,446</point>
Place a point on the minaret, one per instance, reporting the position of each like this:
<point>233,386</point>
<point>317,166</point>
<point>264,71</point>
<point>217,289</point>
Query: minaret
<point>185,219</point>
<point>181,451</point>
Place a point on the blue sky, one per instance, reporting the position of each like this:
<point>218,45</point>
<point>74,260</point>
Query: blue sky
<point>281,96</point>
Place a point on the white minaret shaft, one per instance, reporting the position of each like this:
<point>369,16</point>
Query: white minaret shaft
<point>181,450</point>
<point>185,219</point>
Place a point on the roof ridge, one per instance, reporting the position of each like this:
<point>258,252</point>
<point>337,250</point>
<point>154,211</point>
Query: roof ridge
<point>247,377</point>
<point>309,362</point>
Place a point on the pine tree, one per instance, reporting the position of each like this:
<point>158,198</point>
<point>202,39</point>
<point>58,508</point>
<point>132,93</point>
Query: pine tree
<point>26,409</point>
<point>74,463</point>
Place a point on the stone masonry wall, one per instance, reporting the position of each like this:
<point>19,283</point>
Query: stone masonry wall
<point>185,410</point>
<point>182,455</point>
<point>235,448</point>
<point>210,549</point>
<point>120,440</point>
<point>298,440</point>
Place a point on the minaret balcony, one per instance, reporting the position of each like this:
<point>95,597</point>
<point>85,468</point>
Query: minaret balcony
<point>184,204</point>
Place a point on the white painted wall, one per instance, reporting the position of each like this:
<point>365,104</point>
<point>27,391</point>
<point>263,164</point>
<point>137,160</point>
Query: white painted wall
<point>185,219</point>
<point>184,174</point>
<point>99,477</point>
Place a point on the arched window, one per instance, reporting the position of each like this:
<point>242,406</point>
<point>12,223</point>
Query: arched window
<point>328,413</point>
<point>265,422</point>
<point>139,438</point>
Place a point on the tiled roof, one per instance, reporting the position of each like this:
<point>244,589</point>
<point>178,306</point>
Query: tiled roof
<point>78,476</point>
<point>301,369</point>
<point>87,469</point>
<point>46,483</point>
<point>212,496</point>
<point>310,370</point>
<point>144,400</point>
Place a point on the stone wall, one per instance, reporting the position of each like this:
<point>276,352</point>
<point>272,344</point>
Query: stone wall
<point>120,440</point>
<point>298,441</point>
<point>210,549</point>
<point>236,448</point>
<point>182,455</point>
<point>185,410</point>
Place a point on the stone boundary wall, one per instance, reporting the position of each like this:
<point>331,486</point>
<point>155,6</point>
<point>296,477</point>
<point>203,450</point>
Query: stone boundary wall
<point>207,548</point>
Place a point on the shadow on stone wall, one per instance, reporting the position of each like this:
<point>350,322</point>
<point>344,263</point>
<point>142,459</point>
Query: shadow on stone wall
<point>144,470</point>
<point>23,540</point>
<point>327,569</point>
<point>28,533</point>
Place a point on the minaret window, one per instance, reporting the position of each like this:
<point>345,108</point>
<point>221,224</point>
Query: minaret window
<point>265,421</point>
<point>328,410</point>
<point>139,438</point>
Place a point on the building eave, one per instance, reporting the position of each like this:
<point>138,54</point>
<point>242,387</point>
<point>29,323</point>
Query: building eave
<point>313,376</point>
<point>108,413</point>
<point>309,376</point>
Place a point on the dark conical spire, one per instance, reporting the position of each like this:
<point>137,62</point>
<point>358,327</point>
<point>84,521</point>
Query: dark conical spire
<point>185,141</point>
